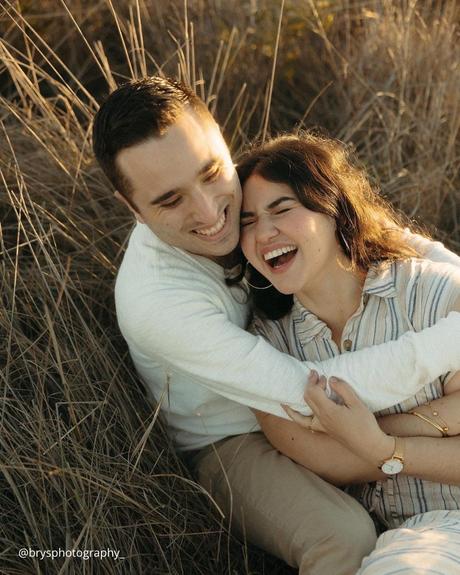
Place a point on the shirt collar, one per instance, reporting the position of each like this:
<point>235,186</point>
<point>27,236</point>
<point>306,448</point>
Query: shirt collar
<point>381,280</point>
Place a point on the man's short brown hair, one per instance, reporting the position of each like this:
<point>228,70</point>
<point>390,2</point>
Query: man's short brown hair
<point>134,112</point>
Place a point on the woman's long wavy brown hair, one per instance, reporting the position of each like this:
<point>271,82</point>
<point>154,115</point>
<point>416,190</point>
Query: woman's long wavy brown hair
<point>327,179</point>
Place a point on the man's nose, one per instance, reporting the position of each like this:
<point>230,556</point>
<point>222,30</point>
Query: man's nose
<point>205,206</point>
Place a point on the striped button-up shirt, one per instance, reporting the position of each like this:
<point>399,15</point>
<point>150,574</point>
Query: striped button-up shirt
<point>398,297</point>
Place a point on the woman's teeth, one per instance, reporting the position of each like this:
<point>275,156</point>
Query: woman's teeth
<point>216,228</point>
<point>279,252</point>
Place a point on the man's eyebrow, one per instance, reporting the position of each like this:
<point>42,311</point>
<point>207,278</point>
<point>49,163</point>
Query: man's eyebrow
<point>270,206</point>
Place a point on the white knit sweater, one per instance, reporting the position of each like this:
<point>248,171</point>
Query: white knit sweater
<point>186,335</point>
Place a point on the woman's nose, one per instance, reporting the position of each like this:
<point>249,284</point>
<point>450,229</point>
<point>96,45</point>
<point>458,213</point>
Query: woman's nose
<point>265,230</point>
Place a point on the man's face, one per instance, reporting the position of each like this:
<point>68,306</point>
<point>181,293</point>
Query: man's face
<point>185,187</point>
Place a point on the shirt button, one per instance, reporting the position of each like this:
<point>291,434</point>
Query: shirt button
<point>347,344</point>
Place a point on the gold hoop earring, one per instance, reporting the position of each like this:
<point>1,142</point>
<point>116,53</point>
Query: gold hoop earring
<point>257,287</point>
<point>344,241</point>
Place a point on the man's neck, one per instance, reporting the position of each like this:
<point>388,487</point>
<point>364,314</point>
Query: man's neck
<point>229,260</point>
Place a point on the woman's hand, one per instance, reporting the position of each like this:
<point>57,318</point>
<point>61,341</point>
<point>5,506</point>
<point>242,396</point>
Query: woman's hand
<point>352,424</point>
<point>310,422</point>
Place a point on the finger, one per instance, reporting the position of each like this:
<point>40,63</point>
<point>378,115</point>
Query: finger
<point>316,425</point>
<point>317,397</point>
<point>322,382</point>
<point>302,420</point>
<point>312,391</point>
<point>344,391</point>
<point>312,380</point>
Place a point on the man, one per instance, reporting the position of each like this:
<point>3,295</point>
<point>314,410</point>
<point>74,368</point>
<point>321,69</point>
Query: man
<point>167,160</point>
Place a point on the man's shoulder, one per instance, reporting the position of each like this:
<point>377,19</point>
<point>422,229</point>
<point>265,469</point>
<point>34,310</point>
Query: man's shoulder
<point>150,261</point>
<point>146,249</point>
<point>155,279</point>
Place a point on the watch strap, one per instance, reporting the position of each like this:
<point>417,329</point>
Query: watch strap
<point>398,453</point>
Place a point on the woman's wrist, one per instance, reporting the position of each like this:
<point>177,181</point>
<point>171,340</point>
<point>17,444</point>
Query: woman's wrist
<point>406,425</point>
<point>380,450</point>
<point>432,418</point>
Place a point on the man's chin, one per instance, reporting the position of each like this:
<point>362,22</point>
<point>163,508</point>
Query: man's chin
<point>219,250</point>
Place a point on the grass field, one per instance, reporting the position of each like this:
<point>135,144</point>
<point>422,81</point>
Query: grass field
<point>85,461</point>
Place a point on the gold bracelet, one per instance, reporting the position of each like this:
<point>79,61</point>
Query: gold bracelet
<point>442,430</point>
<point>436,414</point>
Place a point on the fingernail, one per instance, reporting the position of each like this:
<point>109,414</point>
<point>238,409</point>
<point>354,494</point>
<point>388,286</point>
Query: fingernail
<point>333,380</point>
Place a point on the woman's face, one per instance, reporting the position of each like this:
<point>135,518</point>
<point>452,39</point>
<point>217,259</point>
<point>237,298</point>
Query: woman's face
<point>292,246</point>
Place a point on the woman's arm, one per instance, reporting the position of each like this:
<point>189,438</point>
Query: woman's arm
<point>355,427</point>
<point>447,409</point>
<point>318,452</point>
<point>336,463</point>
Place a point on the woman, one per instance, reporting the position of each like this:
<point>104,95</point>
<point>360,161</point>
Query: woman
<point>330,272</point>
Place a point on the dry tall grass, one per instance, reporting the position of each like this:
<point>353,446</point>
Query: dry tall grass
<point>85,461</point>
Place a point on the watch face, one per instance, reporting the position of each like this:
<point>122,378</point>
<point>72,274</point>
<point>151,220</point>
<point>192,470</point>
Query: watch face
<point>392,466</point>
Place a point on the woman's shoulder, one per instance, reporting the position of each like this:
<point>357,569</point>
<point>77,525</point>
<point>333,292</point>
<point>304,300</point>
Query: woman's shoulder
<point>429,289</point>
<point>401,273</point>
<point>425,270</point>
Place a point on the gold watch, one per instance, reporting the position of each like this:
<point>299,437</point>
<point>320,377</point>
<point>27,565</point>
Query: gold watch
<point>395,464</point>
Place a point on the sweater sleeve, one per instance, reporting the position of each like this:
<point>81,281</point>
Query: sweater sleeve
<point>431,250</point>
<point>188,333</point>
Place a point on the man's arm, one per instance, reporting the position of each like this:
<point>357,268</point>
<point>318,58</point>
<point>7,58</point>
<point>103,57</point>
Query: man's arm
<point>401,367</point>
<point>197,339</point>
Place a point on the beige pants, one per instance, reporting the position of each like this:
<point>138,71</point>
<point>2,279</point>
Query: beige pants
<point>284,508</point>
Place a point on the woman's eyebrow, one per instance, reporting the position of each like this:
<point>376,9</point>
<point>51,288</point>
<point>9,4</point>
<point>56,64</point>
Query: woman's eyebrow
<point>270,206</point>
<point>277,202</point>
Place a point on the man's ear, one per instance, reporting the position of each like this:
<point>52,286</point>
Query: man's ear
<point>121,198</point>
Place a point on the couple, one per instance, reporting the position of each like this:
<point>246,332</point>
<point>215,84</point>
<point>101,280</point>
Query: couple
<point>184,316</point>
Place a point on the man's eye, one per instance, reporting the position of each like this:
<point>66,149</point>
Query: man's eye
<point>282,211</point>
<point>171,204</point>
<point>212,175</point>
<point>246,223</point>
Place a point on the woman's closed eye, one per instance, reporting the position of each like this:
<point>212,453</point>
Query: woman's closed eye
<point>246,222</point>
